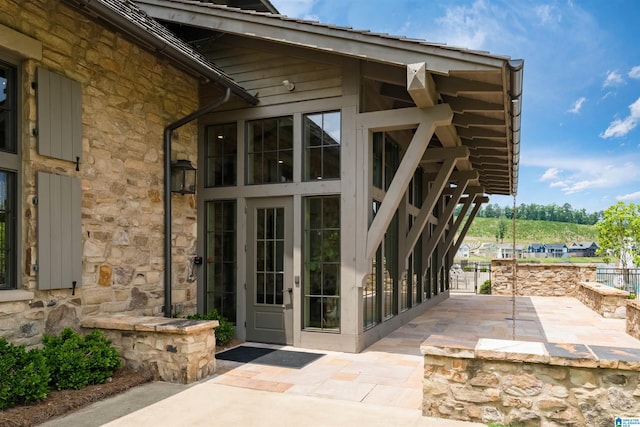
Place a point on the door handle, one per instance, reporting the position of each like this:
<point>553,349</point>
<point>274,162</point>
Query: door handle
<point>290,290</point>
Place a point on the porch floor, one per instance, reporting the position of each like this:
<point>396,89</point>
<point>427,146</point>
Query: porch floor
<point>389,373</point>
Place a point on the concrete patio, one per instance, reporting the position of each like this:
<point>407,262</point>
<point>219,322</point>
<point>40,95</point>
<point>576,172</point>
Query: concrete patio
<point>386,378</point>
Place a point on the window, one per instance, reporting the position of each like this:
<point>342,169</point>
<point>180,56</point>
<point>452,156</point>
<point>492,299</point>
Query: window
<point>386,159</point>
<point>322,263</point>
<point>9,164</point>
<point>321,146</point>
<point>221,152</point>
<point>7,230</point>
<point>270,150</point>
<point>221,258</point>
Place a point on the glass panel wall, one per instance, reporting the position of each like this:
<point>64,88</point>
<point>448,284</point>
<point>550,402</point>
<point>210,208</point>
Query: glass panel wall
<point>270,256</point>
<point>322,263</point>
<point>221,258</point>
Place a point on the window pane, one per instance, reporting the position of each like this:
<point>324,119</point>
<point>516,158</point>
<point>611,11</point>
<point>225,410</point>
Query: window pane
<point>7,231</point>
<point>221,251</point>
<point>321,135</point>
<point>270,150</point>
<point>221,151</point>
<point>322,263</point>
<point>7,108</point>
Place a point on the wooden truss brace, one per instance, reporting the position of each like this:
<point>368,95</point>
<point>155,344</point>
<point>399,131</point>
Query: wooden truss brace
<point>438,186</point>
<point>443,221</point>
<point>439,115</point>
<point>478,203</point>
<point>473,194</point>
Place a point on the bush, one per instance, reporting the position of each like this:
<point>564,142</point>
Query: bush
<point>224,332</point>
<point>24,375</point>
<point>485,288</point>
<point>76,361</point>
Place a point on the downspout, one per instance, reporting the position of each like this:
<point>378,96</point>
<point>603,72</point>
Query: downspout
<point>167,190</point>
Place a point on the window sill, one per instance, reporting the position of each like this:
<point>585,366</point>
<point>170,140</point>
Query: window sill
<point>15,295</point>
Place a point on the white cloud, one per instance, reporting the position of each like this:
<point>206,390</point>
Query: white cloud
<point>621,127</point>
<point>577,106</point>
<point>582,174</point>
<point>467,26</point>
<point>635,72</point>
<point>613,79</point>
<point>548,14</point>
<point>549,174</point>
<point>629,196</point>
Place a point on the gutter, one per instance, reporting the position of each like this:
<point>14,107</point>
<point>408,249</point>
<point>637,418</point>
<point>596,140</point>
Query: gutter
<point>168,131</point>
<point>516,68</point>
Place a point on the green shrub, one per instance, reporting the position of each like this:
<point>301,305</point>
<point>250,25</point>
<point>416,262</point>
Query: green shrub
<point>485,288</point>
<point>24,375</point>
<point>76,361</point>
<point>224,332</point>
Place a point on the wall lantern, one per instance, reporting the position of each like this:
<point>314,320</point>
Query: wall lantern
<point>183,177</point>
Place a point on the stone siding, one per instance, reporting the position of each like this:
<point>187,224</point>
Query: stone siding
<point>176,350</point>
<point>128,96</point>
<point>604,300</point>
<point>534,279</point>
<point>633,318</point>
<point>530,384</point>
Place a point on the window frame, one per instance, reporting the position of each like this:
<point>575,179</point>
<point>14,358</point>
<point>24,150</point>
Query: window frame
<point>308,149</point>
<point>10,163</point>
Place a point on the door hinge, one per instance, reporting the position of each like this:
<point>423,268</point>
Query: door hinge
<point>245,286</point>
<point>245,323</point>
<point>35,200</point>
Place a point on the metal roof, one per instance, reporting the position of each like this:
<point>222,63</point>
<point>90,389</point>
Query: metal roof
<point>128,18</point>
<point>483,90</point>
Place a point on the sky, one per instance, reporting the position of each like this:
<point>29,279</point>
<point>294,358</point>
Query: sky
<point>580,137</point>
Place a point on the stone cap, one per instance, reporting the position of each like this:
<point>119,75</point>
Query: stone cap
<point>165,325</point>
<point>559,354</point>
<point>604,289</point>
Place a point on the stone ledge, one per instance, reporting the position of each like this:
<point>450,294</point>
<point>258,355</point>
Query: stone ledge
<point>555,354</point>
<point>13,295</point>
<point>165,325</point>
<point>604,289</point>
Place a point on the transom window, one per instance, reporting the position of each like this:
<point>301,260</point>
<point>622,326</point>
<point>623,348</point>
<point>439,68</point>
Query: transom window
<point>221,152</point>
<point>270,150</point>
<point>321,146</point>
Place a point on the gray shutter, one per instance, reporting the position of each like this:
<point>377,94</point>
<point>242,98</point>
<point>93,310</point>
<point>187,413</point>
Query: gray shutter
<point>59,116</point>
<point>59,231</point>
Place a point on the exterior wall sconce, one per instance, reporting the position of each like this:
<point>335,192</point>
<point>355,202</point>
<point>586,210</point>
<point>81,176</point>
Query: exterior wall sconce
<point>183,177</point>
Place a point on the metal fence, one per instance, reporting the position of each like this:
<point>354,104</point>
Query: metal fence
<point>627,279</point>
<point>467,277</point>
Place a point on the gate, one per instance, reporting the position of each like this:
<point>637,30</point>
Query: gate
<point>467,277</point>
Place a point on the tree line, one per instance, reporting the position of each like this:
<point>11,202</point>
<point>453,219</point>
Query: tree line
<point>553,212</point>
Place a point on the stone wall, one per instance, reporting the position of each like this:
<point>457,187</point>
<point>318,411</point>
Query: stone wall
<point>128,96</point>
<point>633,318</point>
<point>604,300</point>
<point>532,279</point>
<point>529,383</point>
<point>176,350</point>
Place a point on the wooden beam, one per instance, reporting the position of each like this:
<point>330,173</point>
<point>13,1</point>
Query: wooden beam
<point>435,116</point>
<point>458,222</point>
<point>470,119</point>
<point>430,201</point>
<point>443,221</point>
<point>435,155</point>
<point>421,86</point>
<point>404,118</point>
<point>467,225</point>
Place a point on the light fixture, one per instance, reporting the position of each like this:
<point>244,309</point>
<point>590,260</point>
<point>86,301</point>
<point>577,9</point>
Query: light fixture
<point>289,85</point>
<point>183,177</point>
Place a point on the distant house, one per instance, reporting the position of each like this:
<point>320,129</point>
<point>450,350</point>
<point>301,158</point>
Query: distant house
<point>555,250</point>
<point>463,252</point>
<point>536,250</point>
<point>547,250</point>
<point>583,249</point>
<point>505,251</point>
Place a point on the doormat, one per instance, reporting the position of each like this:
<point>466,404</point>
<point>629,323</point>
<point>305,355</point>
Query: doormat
<point>268,356</point>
